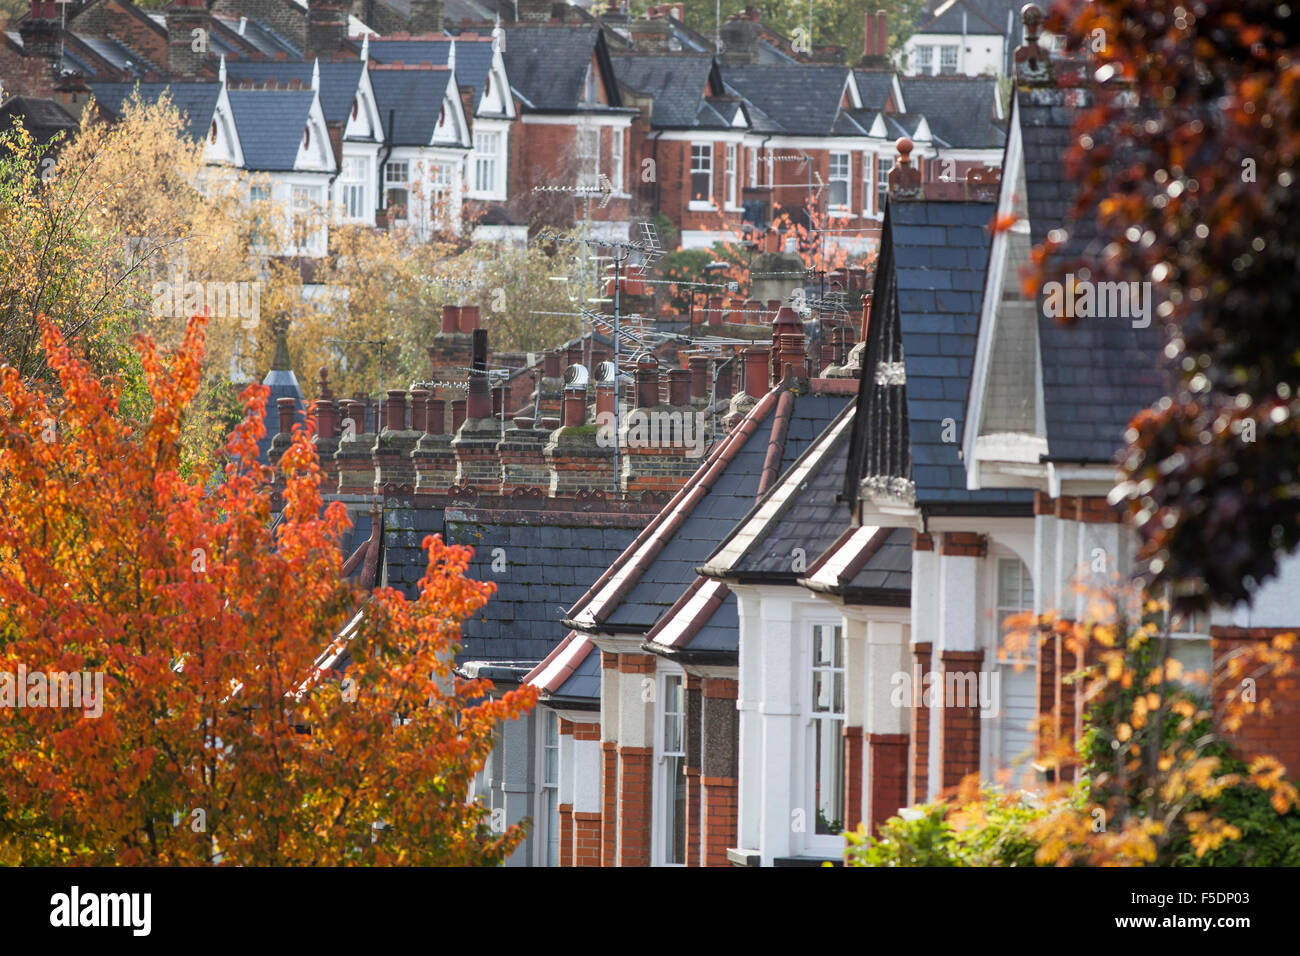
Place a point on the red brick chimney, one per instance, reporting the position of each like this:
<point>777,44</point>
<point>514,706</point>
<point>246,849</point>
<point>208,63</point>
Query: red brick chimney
<point>578,456</point>
<point>449,356</point>
<point>433,459</point>
<point>394,467</point>
<point>189,36</point>
<point>475,445</point>
<point>354,457</point>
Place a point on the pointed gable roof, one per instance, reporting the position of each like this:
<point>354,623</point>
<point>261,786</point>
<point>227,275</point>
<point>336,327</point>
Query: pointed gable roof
<point>682,85</point>
<point>270,126</point>
<point>414,98</point>
<point>547,64</point>
<point>195,101</point>
<point>920,349</point>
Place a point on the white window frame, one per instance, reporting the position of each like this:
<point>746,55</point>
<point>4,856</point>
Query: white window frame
<point>661,805</point>
<point>751,163</point>
<point>442,194</point>
<point>487,167</point>
<point>304,206</point>
<point>702,161</point>
<point>814,842</point>
<point>587,148</point>
<point>1007,667</point>
<point>397,175</point>
<point>946,50</point>
<point>732,174</point>
<point>354,177</point>
<point>924,59</point>
<point>548,823</point>
<point>616,175</point>
<point>845,177</point>
<point>884,165</point>
<point>868,170</point>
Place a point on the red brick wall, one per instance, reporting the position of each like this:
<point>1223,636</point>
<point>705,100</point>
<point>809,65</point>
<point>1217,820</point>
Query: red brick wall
<point>693,812</point>
<point>963,544</point>
<point>673,174</point>
<point>566,834</point>
<point>852,777</point>
<point>1276,733</point>
<point>888,779</point>
<point>920,724</point>
<point>24,75</point>
<point>635,777</point>
<point>608,802</point>
<point>959,727</point>
<point>544,154</point>
<point>587,839</point>
<point>721,818</point>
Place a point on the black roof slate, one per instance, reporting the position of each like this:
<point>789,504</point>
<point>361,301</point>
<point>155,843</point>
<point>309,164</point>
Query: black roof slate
<point>547,64</point>
<point>929,284</point>
<point>195,101</point>
<point>959,109</point>
<point>42,118</point>
<point>339,80</point>
<point>801,98</point>
<point>413,98</point>
<point>1097,373</point>
<point>270,125</point>
<point>550,562</point>
<point>678,82</point>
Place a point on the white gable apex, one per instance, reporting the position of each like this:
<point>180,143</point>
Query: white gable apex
<point>314,152</point>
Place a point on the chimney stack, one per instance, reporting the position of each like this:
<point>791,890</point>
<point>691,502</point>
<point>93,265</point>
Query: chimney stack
<point>477,463</point>
<point>451,352</point>
<point>426,16</point>
<point>533,11</point>
<point>42,34</point>
<point>740,37</point>
<point>1033,62</point>
<point>354,459</point>
<point>650,35</point>
<point>327,26</point>
<point>904,179</point>
<point>394,466</point>
<point>757,373</point>
<point>189,36</point>
<point>433,460</point>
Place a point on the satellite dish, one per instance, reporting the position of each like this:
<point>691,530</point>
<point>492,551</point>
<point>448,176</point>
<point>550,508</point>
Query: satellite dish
<point>577,375</point>
<point>605,372</point>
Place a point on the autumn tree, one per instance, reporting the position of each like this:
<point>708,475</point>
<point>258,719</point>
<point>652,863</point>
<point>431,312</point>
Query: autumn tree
<point>1194,191</point>
<point>222,732</point>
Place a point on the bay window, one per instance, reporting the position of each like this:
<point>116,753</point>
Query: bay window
<point>1017,673</point>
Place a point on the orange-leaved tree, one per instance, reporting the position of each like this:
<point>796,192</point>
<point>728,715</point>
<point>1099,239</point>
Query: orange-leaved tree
<point>169,653</point>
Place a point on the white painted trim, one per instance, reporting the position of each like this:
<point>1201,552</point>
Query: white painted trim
<point>592,118</point>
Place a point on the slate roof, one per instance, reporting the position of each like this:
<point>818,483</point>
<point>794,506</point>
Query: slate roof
<point>270,125</point>
<point>551,559</point>
<point>414,99</point>
<point>875,87</point>
<point>473,57</point>
<point>801,98</point>
<point>339,80</point>
<point>195,101</point>
<point>798,515</point>
<point>259,36</point>
<point>960,109</point>
<point>547,64</point>
<point>984,17</point>
<point>570,673</point>
<point>283,384</point>
<point>652,575</point>
<point>42,118</point>
<point>1097,373</point>
<point>866,565</point>
<point>929,281</point>
<point>678,82</point>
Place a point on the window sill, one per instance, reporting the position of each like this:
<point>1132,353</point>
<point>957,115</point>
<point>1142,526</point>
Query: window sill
<point>841,214</point>
<point>696,206</point>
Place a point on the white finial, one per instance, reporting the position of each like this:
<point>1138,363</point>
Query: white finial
<point>365,47</point>
<point>315,74</point>
<point>451,55</point>
<point>221,71</point>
